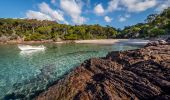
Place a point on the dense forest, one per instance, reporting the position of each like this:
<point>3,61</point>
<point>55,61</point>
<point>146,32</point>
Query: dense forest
<point>156,24</point>
<point>45,30</point>
<point>31,29</point>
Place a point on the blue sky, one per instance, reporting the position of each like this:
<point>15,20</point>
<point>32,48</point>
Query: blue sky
<point>116,13</point>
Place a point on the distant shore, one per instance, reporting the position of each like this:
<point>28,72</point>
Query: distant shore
<point>113,41</point>
<point>96,41</point>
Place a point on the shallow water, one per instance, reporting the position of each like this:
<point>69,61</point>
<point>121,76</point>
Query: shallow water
<point>25,73</point>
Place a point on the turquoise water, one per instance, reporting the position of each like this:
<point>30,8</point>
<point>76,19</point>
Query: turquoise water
<point>25,73</point>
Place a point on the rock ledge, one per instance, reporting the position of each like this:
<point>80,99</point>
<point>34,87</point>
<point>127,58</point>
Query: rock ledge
<point>134,74</point>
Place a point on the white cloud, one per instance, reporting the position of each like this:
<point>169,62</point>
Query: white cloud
<point>73,9</point>
<point>107,19</point>
<point>47,12</point>
<point>79,20</point>
<point>163,5</point>
<point>127,5</point>
<point>99,10</point>
<point>37,15</point>
<point>124,18</point>
<point>138,5</point>
<point>55,14</point>
<point>113,5</point>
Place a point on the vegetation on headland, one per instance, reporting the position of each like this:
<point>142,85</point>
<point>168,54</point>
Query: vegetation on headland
<point>156,24</point>
<point>27,29</point>
<point>45,30</point>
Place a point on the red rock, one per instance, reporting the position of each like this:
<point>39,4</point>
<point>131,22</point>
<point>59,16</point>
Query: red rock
<point>135,74</point>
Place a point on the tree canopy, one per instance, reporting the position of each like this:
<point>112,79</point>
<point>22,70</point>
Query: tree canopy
<point>156,25</point>
<point>44,30</point>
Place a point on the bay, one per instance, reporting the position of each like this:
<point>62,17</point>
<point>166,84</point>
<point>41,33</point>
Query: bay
<point>26,72</point>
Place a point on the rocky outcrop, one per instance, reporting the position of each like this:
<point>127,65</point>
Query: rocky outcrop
<point>159,42</point>
<point>129,75</point>
<point>168,40</point>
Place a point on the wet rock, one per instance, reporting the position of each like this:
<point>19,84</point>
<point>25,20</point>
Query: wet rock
<point>168,40</point>
<point>130,75</point>
<point>162,42</point>
<point>159,42</point>
<point>153,43</point>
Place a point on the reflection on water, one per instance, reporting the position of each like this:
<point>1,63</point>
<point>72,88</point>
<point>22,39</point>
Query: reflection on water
<point>30,52</point>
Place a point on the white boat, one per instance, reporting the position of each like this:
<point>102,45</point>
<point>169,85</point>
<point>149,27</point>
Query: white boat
<point>28,47</point>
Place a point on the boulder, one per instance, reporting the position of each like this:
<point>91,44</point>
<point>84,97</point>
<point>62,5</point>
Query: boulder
<point>168,40</point>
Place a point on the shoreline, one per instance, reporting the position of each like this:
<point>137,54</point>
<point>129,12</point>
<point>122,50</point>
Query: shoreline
<point>116,76</point>
<point>95,73</point>
<point>95,41</point>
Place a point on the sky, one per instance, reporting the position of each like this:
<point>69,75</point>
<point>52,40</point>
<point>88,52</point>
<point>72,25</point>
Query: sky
<point>116,13</point>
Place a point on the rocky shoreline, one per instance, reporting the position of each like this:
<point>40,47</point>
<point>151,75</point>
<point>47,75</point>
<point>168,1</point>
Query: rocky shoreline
<point>130,75</point>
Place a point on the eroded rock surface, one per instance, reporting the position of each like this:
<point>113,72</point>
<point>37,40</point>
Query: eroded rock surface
<point>129,75</point>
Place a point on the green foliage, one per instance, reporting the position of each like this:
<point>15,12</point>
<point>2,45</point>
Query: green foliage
<point>41,30</point>
<point>35,37</point>
<point>154,32</point>
<point>156,25</point>
<point>45,30</point>
<point>71,36</point>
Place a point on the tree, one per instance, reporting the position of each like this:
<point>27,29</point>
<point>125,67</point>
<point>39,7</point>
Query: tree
<point>155,32</point>
<point>151,18</point>
<point>45,30</point>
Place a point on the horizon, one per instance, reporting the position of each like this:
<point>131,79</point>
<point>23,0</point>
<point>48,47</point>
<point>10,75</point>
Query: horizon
<point>115,13</point>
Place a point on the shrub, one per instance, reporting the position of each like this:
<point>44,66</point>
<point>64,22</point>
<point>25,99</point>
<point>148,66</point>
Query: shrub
<point>35,37</point>
<point>155,32</point>
<point>71,37</point>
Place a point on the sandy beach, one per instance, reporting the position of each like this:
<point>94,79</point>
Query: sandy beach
<point>113,41</point>
<point>97,41</point>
